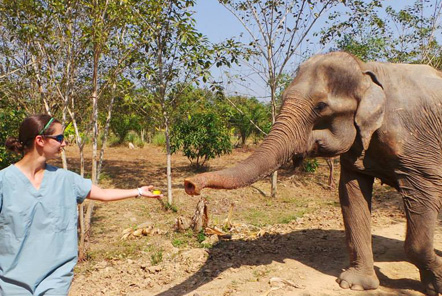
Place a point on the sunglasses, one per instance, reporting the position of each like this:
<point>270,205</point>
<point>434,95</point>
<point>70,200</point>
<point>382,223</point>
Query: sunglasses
<point>58,138</point>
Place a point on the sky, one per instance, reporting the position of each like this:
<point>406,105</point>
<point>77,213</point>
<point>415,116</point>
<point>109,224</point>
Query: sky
<point>218,24</point>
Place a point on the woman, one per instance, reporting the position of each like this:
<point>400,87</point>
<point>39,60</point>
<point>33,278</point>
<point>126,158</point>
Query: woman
<point>38,212</point>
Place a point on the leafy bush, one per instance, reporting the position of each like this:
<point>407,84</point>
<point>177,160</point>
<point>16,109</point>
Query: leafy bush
<point>201,137</point>
<point>125,118</point>
<point>122,125</point>
<point>310,165</point>
<point>243,113</point>
<point>159,139</point>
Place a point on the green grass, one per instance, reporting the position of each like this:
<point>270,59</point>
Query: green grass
<point>271,212</point>
<point>289,218</point>
<point>177,242</point>
<point>186,239</point>
<point>125,249</point>
<point>156,257</point>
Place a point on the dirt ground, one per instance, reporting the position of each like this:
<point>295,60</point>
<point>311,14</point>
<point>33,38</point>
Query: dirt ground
<point>289,245</point>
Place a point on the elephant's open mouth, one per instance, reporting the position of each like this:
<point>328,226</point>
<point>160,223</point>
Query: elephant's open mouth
<point>190,188</point>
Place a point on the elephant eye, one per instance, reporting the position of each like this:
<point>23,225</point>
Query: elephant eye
<point>320,106</point>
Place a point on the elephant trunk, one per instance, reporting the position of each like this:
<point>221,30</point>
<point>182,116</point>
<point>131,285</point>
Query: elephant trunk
<point>290,135</point>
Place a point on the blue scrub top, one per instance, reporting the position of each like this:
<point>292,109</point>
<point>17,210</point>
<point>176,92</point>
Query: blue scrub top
<point>38,231</point>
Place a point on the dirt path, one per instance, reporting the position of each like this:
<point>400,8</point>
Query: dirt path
<point>302,256</point>
<point>310,259</point>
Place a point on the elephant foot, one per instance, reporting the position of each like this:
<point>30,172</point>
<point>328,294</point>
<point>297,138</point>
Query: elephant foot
<point>358,280</point>
<point>432,283</point>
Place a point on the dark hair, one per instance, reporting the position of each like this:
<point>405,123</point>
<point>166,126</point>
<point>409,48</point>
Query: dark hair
<point>31,127</point>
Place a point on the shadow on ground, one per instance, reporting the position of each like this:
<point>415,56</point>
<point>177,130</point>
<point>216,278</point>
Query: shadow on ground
<point>323,250</point>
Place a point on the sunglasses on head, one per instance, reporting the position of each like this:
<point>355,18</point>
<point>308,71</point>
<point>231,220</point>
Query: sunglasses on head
<point>58,138</point>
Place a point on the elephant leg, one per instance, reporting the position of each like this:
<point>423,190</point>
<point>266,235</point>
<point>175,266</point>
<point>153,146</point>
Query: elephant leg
<point>355,192</point>
<point>421,221</point>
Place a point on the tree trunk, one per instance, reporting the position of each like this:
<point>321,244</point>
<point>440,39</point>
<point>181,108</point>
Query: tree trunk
<point>82,237</point>
<point>42,96</point>
<point>274,183</point>
<point>63,153</point>
<point>169,162</point>
<point>106,129</point>
<point>94,173</point>
<point>274,187</point>
<point>81,222</point>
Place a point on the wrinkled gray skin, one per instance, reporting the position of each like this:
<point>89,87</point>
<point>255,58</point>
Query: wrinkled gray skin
<point>385,121</point>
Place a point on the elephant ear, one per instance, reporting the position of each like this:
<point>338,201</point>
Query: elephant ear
<point>370,112</point>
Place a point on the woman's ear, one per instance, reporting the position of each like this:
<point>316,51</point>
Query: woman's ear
<point>39,141</point>
<point>370,112</point>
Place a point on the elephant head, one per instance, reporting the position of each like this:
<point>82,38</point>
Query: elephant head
<point>333,103</point>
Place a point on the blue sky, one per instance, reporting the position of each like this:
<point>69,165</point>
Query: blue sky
<point>218,24</point>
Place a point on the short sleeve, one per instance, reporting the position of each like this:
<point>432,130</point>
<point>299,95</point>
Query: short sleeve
<point>82,187</point>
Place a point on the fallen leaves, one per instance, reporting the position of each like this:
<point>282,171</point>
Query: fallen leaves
<point>143,229</point>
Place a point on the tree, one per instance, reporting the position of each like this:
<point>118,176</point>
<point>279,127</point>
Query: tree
<point>104,32</point>
<point>371,32</point>
<point>276,28</point>
<point>417,31</point>
<point>125,118</point>
<point>248,116</point>
<point>68,56</point>
<point>359,30</point>
<point>201,137</point>
<point>10,119</point>
<point>175,54</point>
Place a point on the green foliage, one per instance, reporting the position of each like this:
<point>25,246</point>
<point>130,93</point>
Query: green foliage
<point>201,137</point>
<point>201,236</point>
<point>371,48</point>
<point>177,242</point>
<point>359,30</point>
<point>191,99</point>
<point>170,207</point>
<point>310,165</point>
<point>372,32</point>
<point>284,81</point>
<point>159,139</point>
<point>185,239</point>
<point>69,130</point>
<point>10,120</point>
<point>174,53</point>
<point>247,116</point>
<point>124,119</point>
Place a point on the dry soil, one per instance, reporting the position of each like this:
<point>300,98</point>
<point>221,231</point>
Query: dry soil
<point>293,244</point>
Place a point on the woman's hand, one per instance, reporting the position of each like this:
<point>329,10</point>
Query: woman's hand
<point>147,191</point>
<point>98,193</point>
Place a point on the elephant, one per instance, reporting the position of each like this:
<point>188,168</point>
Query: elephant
<point>384,120</point>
